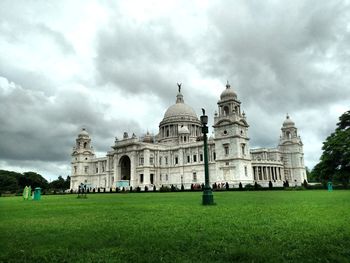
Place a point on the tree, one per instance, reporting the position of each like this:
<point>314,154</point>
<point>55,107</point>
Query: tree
<point>8,183</point>
<point>59,184</point>
<point>335,160</point>
<point>35,180</point>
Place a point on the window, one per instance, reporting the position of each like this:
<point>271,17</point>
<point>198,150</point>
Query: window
<point>225,132</point>
<point>194,177</point>
<point>226,149</point>
<point>176,160</point>
<point>86,169</point>
<point>166,160</point>
<point>103,168</point>
<point>188,159</point>
<point>141,160</point>
<point>160,160</point>
<point>152,178</point>
<point>151,160</point>
<point>201,157</point>
<point>96,169</point>
<point>195,158</point>
<point>166,177</point>
<point>245,170</point>
<point>160,177</point>
<point>226,111</point>
<point>167,133</point>
<point>141,178</point>
<point>214,156</point>
<point>85,144</point>
<point>75,169</point>
<point>243,148</point>
<point>85,158</point>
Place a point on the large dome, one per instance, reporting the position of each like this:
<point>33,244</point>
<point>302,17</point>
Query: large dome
<point>228,93</point>
<point>180,110</point>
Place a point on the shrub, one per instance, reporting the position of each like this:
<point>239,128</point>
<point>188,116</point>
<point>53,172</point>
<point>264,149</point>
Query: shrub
<point>146,188</point>
<point>240,186</point>
<point>154,188</point>
<point>227,186</point>
<point>130,188</point>
<point>164,189</point>
<point>182,188</point>
<point>249,187</point>
<point>257,186</point>
<point>138,189</point>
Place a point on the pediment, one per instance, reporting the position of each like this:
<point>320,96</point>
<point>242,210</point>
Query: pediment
<point>223,122</point>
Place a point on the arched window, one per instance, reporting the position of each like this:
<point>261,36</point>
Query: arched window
<point>226,111</point>
<point>288,135</point>
<point>85,144</point>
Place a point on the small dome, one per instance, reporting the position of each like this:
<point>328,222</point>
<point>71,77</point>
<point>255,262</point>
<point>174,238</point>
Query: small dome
<point>148,138</point>
<point>288,122</point>
<point>183,130</point>
<point>83,133</point>
<point>228,93</point>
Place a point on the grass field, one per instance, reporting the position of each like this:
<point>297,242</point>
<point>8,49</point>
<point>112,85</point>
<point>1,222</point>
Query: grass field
<point>269,226</point>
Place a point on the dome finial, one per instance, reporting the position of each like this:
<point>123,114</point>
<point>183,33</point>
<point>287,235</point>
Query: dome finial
<point>179,97</point>
<point>287,116</point>
<point>227,85</point>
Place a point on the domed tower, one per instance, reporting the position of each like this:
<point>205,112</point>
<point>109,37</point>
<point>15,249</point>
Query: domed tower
<point>81,159</point>
<point>180,122</point>
<point>231,139</point>
<point>291,148</point>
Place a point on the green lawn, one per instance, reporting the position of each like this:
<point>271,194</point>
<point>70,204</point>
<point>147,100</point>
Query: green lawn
<point>268,226</point>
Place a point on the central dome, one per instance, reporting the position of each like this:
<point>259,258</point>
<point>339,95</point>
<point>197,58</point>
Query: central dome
<point>179,109</point>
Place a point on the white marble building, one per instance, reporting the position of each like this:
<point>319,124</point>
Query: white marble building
<point>175,155</point>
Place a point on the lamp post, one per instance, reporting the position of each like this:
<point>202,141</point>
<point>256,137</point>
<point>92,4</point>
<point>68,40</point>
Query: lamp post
<point>208,198</point>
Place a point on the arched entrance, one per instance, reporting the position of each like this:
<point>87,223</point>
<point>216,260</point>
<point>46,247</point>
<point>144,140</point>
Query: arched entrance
<point>125,168</point>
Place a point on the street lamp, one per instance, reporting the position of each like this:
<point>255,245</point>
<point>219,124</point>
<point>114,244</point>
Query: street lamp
<point>208,198</point>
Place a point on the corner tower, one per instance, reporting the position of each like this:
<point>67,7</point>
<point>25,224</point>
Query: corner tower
<point>291,148</point>
<point>231,140</point>
<point>81,159</point>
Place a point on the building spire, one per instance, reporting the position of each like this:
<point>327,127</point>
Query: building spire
<point>228,85</point>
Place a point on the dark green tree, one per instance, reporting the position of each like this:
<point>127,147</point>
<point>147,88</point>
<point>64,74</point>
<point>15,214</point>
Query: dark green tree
<point>335,160</point>
<point>8,183</point>
<point>34,180</point>
<point>58,184</point>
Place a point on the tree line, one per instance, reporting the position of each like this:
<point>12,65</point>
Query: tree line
<point>13,182</point>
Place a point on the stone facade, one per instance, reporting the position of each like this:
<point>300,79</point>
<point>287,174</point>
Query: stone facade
<point>175,155</point>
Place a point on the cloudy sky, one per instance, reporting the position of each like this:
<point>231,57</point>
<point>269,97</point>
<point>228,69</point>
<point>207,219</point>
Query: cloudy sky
<point>112,66</point>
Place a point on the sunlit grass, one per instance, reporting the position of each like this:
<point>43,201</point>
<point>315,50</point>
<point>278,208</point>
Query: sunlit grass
<point>273,226</point>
